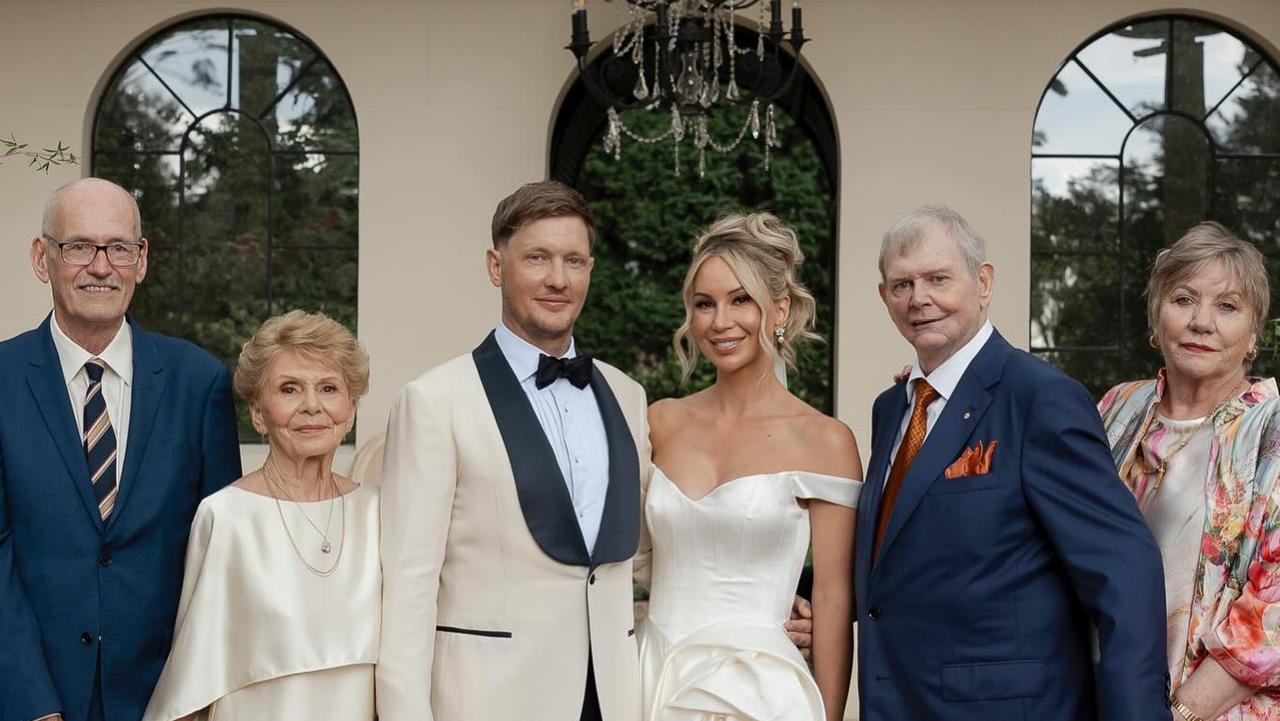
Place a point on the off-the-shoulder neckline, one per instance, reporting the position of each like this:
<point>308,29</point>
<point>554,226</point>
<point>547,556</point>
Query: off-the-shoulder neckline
<point>735,479</point>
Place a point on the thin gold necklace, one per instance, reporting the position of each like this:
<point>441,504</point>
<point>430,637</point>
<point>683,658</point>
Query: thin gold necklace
<point>1182,442</point>
<point>289,534</point>
<point>279,486</point>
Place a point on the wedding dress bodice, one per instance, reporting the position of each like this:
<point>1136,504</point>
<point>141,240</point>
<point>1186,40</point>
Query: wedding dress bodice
<point>725,569</point>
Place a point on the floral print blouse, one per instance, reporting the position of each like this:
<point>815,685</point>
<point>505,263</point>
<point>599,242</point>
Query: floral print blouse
<point>1235,606</point>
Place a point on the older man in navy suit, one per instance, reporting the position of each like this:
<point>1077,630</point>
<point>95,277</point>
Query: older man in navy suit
<point>109,438</point>
<point>993,532</point>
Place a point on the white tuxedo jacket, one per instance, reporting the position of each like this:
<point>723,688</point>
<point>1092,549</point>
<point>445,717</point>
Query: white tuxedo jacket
<point>491,602</point>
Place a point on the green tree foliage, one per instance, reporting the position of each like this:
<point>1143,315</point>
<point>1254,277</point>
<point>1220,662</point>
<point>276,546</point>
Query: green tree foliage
<point>251,209</point>
<point>648,218</point>
<point>1090,265</point>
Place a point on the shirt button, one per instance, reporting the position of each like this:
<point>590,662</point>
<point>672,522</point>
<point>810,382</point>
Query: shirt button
<point>104,560</point>
<point>566,410</point>
<point>86,639</point>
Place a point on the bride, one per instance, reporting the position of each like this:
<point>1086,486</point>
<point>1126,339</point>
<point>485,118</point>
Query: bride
<point>743,471</point>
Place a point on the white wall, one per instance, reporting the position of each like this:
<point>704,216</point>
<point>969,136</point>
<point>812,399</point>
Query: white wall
<point>934,102</point>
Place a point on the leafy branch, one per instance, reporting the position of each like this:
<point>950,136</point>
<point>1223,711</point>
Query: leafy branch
<point>41,159</point>
<point>1271,337</point>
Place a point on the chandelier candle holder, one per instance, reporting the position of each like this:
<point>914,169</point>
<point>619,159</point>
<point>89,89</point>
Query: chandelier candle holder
<point>683,55</point>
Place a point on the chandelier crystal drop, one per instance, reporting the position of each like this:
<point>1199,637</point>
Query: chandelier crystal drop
<point>685,55</point>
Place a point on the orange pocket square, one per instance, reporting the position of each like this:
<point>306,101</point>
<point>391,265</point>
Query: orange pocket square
<point>974,461</point>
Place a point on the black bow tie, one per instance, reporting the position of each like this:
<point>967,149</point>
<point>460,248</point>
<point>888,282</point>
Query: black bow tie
<point>577,370</point>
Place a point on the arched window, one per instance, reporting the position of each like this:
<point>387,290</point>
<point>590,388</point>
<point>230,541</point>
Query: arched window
<point>648,217</point>
<point>239,140</point>
<point>1149,128</point>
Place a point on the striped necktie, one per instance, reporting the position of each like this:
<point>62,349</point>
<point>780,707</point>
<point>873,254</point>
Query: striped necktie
<point>99,440</point>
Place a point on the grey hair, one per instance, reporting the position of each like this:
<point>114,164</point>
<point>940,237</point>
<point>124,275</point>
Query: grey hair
<point>54,204</point>
<point>910,229</point>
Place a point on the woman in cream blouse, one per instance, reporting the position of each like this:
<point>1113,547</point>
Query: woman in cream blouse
<point>279,614</point>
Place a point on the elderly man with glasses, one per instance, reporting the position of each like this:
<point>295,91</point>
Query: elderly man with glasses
<point>109,438</point>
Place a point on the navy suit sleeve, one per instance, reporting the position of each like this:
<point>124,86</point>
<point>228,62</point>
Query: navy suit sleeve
<point>26,688</point>
<point>221,445</point>
<point>1108,550</point>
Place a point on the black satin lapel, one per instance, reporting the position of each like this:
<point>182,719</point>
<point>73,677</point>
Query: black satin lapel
<point>148,388</point>
<point>49,388</point>
<point>619,534</point>
<point>540,486</point>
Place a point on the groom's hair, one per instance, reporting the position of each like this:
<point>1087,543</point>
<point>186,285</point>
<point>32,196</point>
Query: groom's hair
<point>535,201</point>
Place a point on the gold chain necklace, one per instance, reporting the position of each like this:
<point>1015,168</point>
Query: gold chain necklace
<point>1183,442</point>
<point>278,485</point>
<point>289,534</point>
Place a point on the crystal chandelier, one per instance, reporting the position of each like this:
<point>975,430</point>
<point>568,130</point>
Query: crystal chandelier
<point>683,55</point>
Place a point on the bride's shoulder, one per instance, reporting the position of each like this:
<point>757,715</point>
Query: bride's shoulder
<point>669,413</point>
<point>831,444</point>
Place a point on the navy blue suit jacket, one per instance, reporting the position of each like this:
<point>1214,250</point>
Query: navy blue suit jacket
<point>75,592</point>
<point>979,603</point>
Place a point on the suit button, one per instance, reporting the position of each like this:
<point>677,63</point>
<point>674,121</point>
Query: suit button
<point>86,639</point>
<point>874,613</point>
<point>104,560</point>
<point>592,579</point>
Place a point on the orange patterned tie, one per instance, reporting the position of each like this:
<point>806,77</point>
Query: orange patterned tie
<point>911,443</point>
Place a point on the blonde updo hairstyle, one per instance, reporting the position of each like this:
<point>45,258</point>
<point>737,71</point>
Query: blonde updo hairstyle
<point>763,252</point>
<point>314,336</point>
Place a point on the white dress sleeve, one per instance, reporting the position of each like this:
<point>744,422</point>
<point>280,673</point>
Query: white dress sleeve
<point>821,487</point>
<point>251,614</point>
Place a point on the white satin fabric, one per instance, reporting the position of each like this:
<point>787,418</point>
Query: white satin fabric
<point>1176,514</point>
<point>258,636</point>
<point>725,569</point>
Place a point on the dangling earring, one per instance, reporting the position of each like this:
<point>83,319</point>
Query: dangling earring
<point>1252,354</point>
<point>780,334</point>
<point>1154,343</point>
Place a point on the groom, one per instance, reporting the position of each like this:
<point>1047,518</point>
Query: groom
<point>511,502</point>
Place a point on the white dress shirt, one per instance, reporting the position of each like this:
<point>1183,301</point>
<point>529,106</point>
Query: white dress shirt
<point>944,380</point>
<point>117,382</point>
<point>571,420</point>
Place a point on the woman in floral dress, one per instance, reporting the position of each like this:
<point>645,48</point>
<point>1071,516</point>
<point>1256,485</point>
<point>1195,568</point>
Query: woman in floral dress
<point>1199,447</point>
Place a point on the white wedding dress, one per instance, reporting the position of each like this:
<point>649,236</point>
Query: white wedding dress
<point>725,568</point>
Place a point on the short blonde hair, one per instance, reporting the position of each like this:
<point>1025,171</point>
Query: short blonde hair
<point>764,253</point>
<point>314,336</point>
<point>1203,244</point>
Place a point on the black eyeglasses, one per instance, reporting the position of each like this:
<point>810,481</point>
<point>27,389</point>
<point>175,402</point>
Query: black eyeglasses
<point>82,252</point>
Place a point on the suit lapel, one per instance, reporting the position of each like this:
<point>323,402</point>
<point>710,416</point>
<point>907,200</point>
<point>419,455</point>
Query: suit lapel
<point>619,534</point>
<point>44,376</point>
<point>884,433</point>
<point>949,435</point>
<point>148,388</point>
<point>540,487</point>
